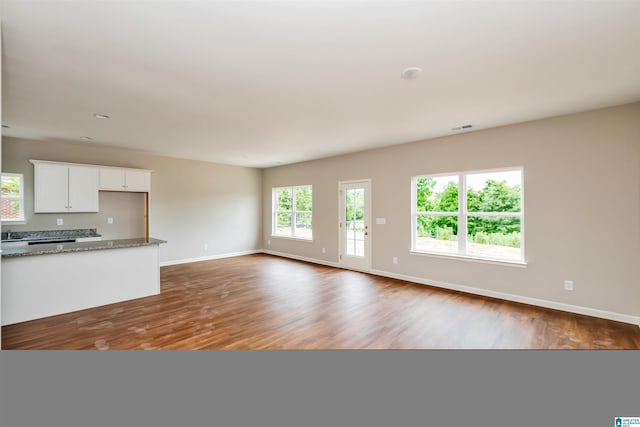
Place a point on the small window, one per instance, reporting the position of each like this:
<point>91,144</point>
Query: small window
<point>473,214</point>
<point>292,212</point>
<point>12,197</point>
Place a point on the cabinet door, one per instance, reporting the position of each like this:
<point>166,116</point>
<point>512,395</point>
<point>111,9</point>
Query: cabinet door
<point>137,181</point>
<point>83,189</point>
<point>111,179</point>
<point>51,188</point>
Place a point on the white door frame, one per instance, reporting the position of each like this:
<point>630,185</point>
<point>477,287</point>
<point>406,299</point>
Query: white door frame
<point>354,263</point>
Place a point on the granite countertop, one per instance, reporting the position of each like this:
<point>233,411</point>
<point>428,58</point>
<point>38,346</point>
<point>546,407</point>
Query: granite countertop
<point>57,248</point>
<point>18,236</point>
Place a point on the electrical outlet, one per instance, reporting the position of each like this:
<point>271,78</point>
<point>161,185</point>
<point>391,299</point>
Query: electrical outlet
<point>324,250</point>
<point>268,242</point>
<point>109,220</point>
<point>206,246</point>
<point>568,285</point>
<point>60,221</point>
<point>395,259</point>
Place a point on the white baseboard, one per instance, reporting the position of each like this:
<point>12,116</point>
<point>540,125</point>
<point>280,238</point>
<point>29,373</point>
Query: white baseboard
<point>209,257</point>
<point>302,258</point>
<point>609,315</point>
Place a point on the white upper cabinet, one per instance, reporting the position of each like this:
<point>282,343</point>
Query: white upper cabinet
<point>51,192</point>
<point>137,180</point>
<point>83,186</point>
<point>117,179</point>
<point>73,187</point>
<point>65,188</point>
<point>111,179</point>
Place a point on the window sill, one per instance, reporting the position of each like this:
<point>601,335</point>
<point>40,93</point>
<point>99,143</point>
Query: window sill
<point>506,263</point>
<point>299,239</point>
<point>14,222</point>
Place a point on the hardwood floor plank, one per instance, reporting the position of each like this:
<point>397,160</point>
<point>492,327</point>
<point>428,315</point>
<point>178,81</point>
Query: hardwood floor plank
<point>266,302</point>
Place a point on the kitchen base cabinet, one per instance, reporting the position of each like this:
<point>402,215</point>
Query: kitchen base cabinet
<point>47,285</point>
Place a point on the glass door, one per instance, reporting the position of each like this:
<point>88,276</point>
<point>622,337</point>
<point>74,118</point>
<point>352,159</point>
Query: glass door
<point>354,227</point>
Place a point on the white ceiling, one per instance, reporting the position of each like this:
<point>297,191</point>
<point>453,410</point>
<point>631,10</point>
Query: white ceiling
<point>274,82</point>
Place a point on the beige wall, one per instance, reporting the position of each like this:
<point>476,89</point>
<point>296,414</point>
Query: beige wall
<point>192,202</point>
<point>582,206</point>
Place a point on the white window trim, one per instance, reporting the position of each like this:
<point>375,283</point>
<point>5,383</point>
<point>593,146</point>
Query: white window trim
<point>463,214</point>
<point>293,212</point>
<point>22,219</point>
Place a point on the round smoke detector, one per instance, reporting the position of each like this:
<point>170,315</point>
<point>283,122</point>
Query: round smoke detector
<point>411,73</point>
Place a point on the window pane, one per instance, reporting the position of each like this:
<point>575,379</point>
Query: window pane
<point>437,233</point>
<point>354,238</point>
<point>494,191</point>
<point>303,225</point>
<point>437,194</point>
<point>283,199</point>
<point>354,225</point>
<point>303,198</point>
<point>11,209</point>
<point>283,224</point>
<point>10,186</point>
<point>354,204</point>
<point>494,237</point>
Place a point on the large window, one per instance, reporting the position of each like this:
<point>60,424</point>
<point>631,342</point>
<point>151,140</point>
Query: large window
<point>12,199</point>
<point>474,214</point>
<point>292,212</point>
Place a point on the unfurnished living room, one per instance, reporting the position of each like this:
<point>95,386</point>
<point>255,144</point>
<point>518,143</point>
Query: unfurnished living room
<point>192,175</point>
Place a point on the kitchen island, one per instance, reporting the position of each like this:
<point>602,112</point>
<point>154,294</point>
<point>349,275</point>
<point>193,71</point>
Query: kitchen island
<point>50,279</point>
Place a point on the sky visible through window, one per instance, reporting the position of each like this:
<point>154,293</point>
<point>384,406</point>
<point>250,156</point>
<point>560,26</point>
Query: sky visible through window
<point>478,180</point>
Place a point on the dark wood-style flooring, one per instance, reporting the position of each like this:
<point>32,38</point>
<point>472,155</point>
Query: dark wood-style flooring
<point>266,302</point>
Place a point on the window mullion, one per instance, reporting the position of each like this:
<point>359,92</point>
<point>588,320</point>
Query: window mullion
<point>462,214</point>
<point>496,214</point>
<point>438,213</point>
<point>293,211</point>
